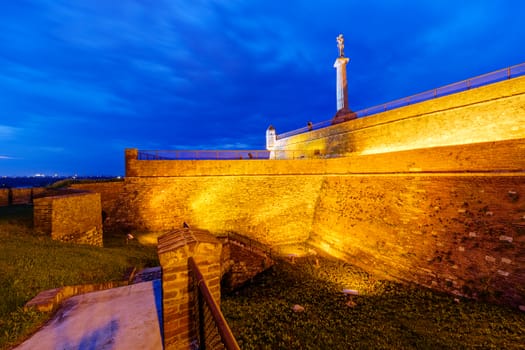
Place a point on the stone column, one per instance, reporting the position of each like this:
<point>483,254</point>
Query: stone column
<point>341,83</point>
<point>178,291</point>
<point>344,112</point>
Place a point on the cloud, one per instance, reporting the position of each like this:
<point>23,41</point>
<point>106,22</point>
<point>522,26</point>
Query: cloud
<point>89,78</point>
<point>7,132</point>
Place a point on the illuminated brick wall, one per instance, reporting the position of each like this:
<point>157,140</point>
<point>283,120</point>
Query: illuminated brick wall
<point>489,113</point>
<point>109,194</point>
<point>464,234</point>
<point>273,210</point>
<point>432,193</point>
<point>441,217</point>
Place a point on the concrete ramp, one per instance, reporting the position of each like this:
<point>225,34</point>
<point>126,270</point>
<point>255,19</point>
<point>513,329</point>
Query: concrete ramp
<point>127,317</point>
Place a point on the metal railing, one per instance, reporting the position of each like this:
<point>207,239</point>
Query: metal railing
<point>230,155</point>
<point>480,80</point>
<point>214,332</point>
<point>203,154</point>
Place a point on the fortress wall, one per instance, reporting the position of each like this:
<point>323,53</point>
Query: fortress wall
<point>269,209</point>
<point>463,234</point>
<point>432,193</point>
<point>489,113</point>
<point>72,218</point>
<point>452,218</point>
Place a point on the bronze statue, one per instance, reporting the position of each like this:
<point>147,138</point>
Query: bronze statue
<point>341,45</point>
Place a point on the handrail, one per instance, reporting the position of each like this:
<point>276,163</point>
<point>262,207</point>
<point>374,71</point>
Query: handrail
<point>202,154</point>
<point>222,326</point>
<point>227,155</point>
<point>477,81</point>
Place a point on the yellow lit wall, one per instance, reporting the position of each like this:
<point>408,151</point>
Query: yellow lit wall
<point>452,218</point>
<point>432,193</point>
<point>489,113</point>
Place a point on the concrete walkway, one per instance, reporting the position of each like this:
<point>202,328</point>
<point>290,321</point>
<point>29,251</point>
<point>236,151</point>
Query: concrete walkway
<point>127,317</point>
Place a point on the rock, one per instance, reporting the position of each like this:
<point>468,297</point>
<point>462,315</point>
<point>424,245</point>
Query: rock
<point>350,292</point>
<point>351,303</point>
<point>297,308</point>
<point>292,257</point>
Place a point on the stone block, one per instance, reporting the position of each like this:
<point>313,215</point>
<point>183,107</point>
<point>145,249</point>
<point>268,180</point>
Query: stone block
<point>75,218</point>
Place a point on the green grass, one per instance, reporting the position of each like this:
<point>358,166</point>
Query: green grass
<point>387,315</point>
<point>31,263</point>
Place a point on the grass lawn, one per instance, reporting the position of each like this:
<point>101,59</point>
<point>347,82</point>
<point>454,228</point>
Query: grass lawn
<point>31,263</point>
<point>386,315</point>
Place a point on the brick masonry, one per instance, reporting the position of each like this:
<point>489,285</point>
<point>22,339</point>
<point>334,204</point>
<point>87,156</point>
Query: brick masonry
<point>179,300</point>
<point>405,215</point>
<point>109,194</point>
<point>239,264</point>
<point>72,218</point>
<point>15,196</point>
<point>5,197</point>
<point>460,234</point>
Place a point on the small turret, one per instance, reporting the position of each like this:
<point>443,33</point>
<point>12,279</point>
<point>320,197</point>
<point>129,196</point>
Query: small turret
<point>271,138</point>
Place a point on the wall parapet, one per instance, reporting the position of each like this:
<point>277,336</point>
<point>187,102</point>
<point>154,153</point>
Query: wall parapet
<point>503,156</point>
<point>486,114</point>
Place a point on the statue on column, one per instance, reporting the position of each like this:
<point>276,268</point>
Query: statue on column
<point>344,112</point>
<point>341,45</point>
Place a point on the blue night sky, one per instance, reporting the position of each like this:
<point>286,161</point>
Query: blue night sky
<point>82,80</point>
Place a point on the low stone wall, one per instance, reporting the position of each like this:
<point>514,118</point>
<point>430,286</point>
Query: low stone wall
<point>5,197</point>
<point>17,196</point>
<point>21,196</point>
<point>239,264</point>
<point>72,218</point>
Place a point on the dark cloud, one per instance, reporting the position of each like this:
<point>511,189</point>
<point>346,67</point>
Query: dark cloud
<point>80,81</point>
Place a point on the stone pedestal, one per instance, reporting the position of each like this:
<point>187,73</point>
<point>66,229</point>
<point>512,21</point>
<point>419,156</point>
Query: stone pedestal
<point>179,294</point>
